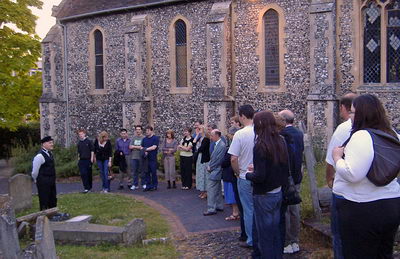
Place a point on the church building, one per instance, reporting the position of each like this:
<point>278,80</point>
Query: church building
<point>109,64</point>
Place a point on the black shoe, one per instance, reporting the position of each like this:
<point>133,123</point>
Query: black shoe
<point>242,238</point>
<point>209,213</point>
<point>147,189</point>
<point>129,186</point>
<point>245,245</point>
<point>220,210</point>
<point>173,185</point>
<point>121,187</point>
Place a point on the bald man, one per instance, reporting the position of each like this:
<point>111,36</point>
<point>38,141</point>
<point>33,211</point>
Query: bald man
<point>341,134</point>
<point>290,221</point>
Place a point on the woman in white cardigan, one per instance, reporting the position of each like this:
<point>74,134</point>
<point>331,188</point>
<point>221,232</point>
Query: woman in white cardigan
<point>368,215</point>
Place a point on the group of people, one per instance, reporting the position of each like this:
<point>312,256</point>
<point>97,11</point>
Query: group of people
<point>255,161</point>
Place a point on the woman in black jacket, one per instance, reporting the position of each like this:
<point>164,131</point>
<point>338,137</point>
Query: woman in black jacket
<point>103,152</point>
<point>203,157</point>
<point>269,175</point>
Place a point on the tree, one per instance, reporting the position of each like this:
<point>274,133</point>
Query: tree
<point>19,50</point>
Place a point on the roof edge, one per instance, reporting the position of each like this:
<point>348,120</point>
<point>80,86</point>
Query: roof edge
<point>161,2</point>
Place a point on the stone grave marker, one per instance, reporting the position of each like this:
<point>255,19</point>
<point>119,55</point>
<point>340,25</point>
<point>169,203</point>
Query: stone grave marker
<point>20,189</point>
<point>9,243</point>
<point>45,247</point>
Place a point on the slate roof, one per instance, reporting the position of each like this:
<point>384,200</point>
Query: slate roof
<point>72,8</point>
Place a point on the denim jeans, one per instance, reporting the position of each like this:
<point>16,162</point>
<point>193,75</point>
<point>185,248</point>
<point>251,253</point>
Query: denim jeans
<point>103,166</point>
<point>337,242</point>
<point>137,172</point>
<point>267,237</point>
<point>150,172</point>
<point>246,198</point>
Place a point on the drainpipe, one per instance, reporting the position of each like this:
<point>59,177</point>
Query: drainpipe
<point>66,87</point>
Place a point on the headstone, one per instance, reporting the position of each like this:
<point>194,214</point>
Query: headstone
<point>20,189</point>
<point>81,218</point>
<point>81,233</point>
<point>325,196</point>
<point>45,247</point>
<point>22,229</point>
<point>9,244</point>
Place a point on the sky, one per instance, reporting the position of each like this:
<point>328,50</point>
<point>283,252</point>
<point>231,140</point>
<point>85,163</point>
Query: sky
<point>45,20</point>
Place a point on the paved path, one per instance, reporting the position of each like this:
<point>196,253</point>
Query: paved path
<point>184,204</point>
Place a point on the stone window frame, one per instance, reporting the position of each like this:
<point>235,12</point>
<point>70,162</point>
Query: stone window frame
<point>92,62</point>
<point>384,21</point>
<point>172,56</point>
<point>261,50</point>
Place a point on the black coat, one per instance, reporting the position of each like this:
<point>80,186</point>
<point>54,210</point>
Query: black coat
<point>204,149</point>
<point>227,172</point>
<point>295,144</point>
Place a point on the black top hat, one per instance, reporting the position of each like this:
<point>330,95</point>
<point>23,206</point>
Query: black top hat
<point>46,139</point>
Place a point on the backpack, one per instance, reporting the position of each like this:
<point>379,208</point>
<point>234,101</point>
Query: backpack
<point>386,164</point>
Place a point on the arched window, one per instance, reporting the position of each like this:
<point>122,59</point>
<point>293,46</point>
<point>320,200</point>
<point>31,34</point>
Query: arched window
<point>381,41</point>
<point>181,53</point>
<point>99,64</point>
<point>271,47</point>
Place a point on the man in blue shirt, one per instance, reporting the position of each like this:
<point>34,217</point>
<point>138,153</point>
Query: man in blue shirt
<point>150,147</point>
<point>122,145</point>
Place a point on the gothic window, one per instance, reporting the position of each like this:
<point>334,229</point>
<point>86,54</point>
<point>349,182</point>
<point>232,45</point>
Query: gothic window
<point>99,65</point>
<point>181,53</point>
<point>271,47</point>
<point>381,41</point>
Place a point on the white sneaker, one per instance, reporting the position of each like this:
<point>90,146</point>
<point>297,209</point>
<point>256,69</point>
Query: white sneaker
<point>105,191</point>
<point>134,187</point>
<point>144,186</point>
<point>295,247</point>
<point>288,249</point>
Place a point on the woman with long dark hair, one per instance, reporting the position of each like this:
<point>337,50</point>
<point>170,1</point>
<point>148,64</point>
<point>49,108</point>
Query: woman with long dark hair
<point>269,175</point>
<point>369,215</point>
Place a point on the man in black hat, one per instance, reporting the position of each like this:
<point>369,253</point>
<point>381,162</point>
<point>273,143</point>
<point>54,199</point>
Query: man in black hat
<point>44,175</point>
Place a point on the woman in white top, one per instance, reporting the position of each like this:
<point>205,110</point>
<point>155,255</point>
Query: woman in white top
<point>369,215</point>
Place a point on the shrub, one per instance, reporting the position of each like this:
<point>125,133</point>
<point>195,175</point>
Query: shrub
<point>66,160</point>
<point>25,136</point>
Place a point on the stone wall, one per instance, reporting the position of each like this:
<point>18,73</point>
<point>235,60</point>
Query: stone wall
<point>319,64</point>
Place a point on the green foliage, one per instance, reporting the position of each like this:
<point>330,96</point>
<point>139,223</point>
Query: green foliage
<point>66,160</point>
<point>25,136</point>
<point>19,50</point>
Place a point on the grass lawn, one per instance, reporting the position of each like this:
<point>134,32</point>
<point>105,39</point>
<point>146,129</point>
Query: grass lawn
<point>115,210</point>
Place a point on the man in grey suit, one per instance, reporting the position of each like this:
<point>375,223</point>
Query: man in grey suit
<point>215,201</point>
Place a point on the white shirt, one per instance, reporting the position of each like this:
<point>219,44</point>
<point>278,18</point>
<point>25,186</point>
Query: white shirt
<point>341,134</point>
<point>38,161</point>
<point>351,180</point>
<point>242,147</point>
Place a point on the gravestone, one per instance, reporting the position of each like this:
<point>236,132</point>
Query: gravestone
<point>45,247</point>
<point>20,189</point>
<point>9,243</point>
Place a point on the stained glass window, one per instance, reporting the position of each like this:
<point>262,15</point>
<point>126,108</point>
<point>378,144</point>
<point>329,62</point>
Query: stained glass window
<point>271,41</point>
<point>372,43</point>
<point>393,42</point>
<point>181,53</point>
<point>98,52</point>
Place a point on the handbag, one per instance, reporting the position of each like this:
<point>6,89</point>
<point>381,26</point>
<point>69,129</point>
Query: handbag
<point>291,196</point>
<point>386,164</point>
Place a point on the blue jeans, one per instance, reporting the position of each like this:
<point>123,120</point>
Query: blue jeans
<point>150,171</point>
<point>137,172</point>
<point>266,232</point>
<point>337,241</point>
<point>103,166</point>
<point>246,198</point>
